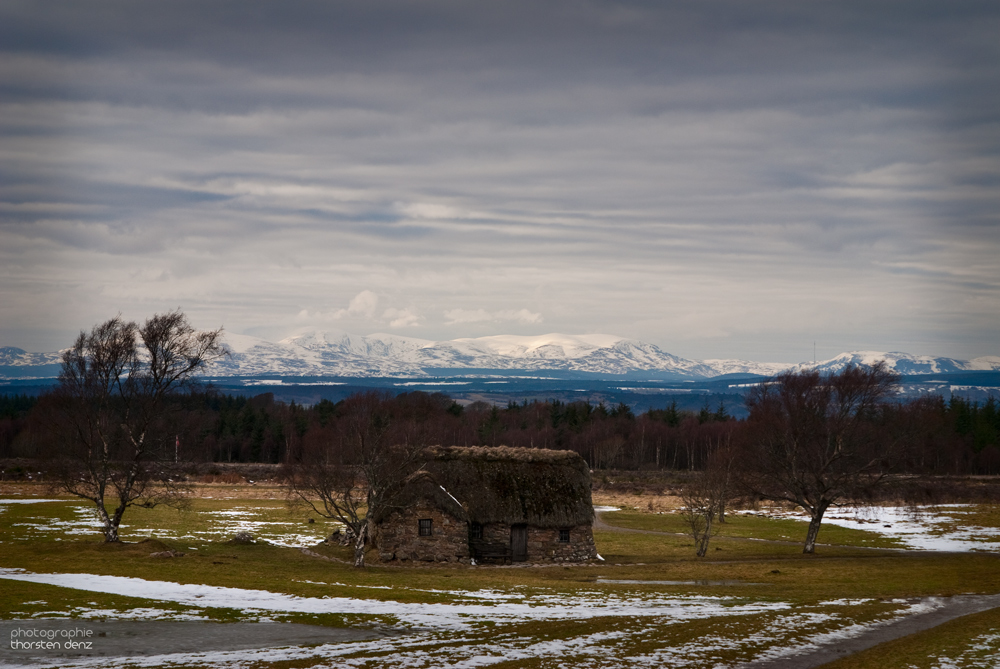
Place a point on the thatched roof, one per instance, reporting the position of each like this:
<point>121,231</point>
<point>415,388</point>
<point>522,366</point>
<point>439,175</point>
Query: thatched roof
<point>507,454</point>
<point>540,487</point>
<point>422,485</point>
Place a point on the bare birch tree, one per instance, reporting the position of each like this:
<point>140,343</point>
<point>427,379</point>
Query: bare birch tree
<point>356,477</point>
<point>113,443</point>
<point>706,497</point>
<point>818,441</point>
<point>699,511</point>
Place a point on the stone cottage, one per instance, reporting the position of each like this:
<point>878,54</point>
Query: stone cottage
<point>482,503</point>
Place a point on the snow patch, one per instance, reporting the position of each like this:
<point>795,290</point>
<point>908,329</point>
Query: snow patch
<point>439,616</point>
<point>920,528</point>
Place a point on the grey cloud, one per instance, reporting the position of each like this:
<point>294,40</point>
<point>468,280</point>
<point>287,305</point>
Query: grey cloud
<point>763,163</point>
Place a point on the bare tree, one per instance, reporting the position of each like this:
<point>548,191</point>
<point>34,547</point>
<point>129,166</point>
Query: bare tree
<point>358,476</point>
<point>706,497</point>
<point>818,441</point>
<point>113,395</point>
<point>720,474</point>
<point>699,510</point>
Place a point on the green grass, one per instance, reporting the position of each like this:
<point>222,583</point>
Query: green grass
<point>203,520</point>
<point>39,538</point>
<point>23,600</point>
<point>955,518</point>
<point>739,526</point>
<point>830,574</point>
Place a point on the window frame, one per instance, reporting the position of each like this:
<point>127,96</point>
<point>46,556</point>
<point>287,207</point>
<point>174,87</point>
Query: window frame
<point>564,536</point>
<point>425,527</point>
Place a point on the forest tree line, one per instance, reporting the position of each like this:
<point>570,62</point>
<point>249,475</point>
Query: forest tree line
<point>954,436</point>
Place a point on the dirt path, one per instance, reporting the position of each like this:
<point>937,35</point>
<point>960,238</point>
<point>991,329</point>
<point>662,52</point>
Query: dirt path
<point>949,609</point>
<point>599,524</point>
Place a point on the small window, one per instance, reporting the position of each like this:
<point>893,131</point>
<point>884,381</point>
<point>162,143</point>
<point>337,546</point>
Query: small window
<point>476,532</point>
<point>564,536</point>
<point>425,527</point>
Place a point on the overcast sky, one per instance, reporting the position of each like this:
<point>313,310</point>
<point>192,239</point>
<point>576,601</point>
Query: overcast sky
<point>721,179</point>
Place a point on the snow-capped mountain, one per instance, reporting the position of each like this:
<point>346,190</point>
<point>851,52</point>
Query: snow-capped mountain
<point>903,363</point>
<point>18,357</point>
<point>720,367</point>
<point>984,363</point>
<point>319,354</point>
<point>603,354</point>
<point>16,363</point>
<point>385,355</point>
<point>326,354</point>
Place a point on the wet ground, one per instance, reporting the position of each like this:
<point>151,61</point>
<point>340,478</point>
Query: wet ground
<point>27,642</point>
<point>948,608</point>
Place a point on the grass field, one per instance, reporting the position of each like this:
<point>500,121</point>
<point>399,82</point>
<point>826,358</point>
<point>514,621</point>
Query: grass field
<point>650,603</point>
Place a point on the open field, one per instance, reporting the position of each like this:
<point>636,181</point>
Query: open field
<point>650,603</point>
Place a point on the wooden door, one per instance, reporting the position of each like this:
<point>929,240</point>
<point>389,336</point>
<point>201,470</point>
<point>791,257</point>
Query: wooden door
<point>519,543</point>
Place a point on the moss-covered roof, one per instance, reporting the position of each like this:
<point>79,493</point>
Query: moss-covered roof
<point>540,487</point>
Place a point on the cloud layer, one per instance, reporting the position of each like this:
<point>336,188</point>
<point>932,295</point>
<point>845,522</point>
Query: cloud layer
<point>719,178</point>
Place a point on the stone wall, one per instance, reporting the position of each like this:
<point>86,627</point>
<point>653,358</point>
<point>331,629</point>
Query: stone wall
<point>544,545</point>
<point>398,538</point>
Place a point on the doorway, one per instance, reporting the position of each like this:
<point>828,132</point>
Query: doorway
<point>519,543</point>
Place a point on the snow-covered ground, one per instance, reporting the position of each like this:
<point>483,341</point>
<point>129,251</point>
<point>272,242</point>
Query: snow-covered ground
<point>83,522</point>
<point>598,626</point>
<point>938,529</point>
<point>486,627</point>
<point>27,500</point>
<point>983,651</point>
<point>438,616</point>
<point>944,528</point>
<point>258,521</point>
<point>266,523</point>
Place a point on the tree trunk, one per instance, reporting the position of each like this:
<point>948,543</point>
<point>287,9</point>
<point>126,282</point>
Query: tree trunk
<point>704,539</point>
<point>814,522</point>
<point>110,524</point>
<point>111,533</point>
<point>360,545</point>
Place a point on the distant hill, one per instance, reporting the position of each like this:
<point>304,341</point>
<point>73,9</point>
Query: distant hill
<point>905,363</point>
<point>323,354</point>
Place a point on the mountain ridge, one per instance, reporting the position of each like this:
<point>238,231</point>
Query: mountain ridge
<point>318,353</point>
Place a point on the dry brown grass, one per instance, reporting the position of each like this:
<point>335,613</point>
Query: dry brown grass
<point>206,490</point>
<point>24,489</point>
<point>221,487</point>
<point>626,500</point>
<point>242,490</point>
